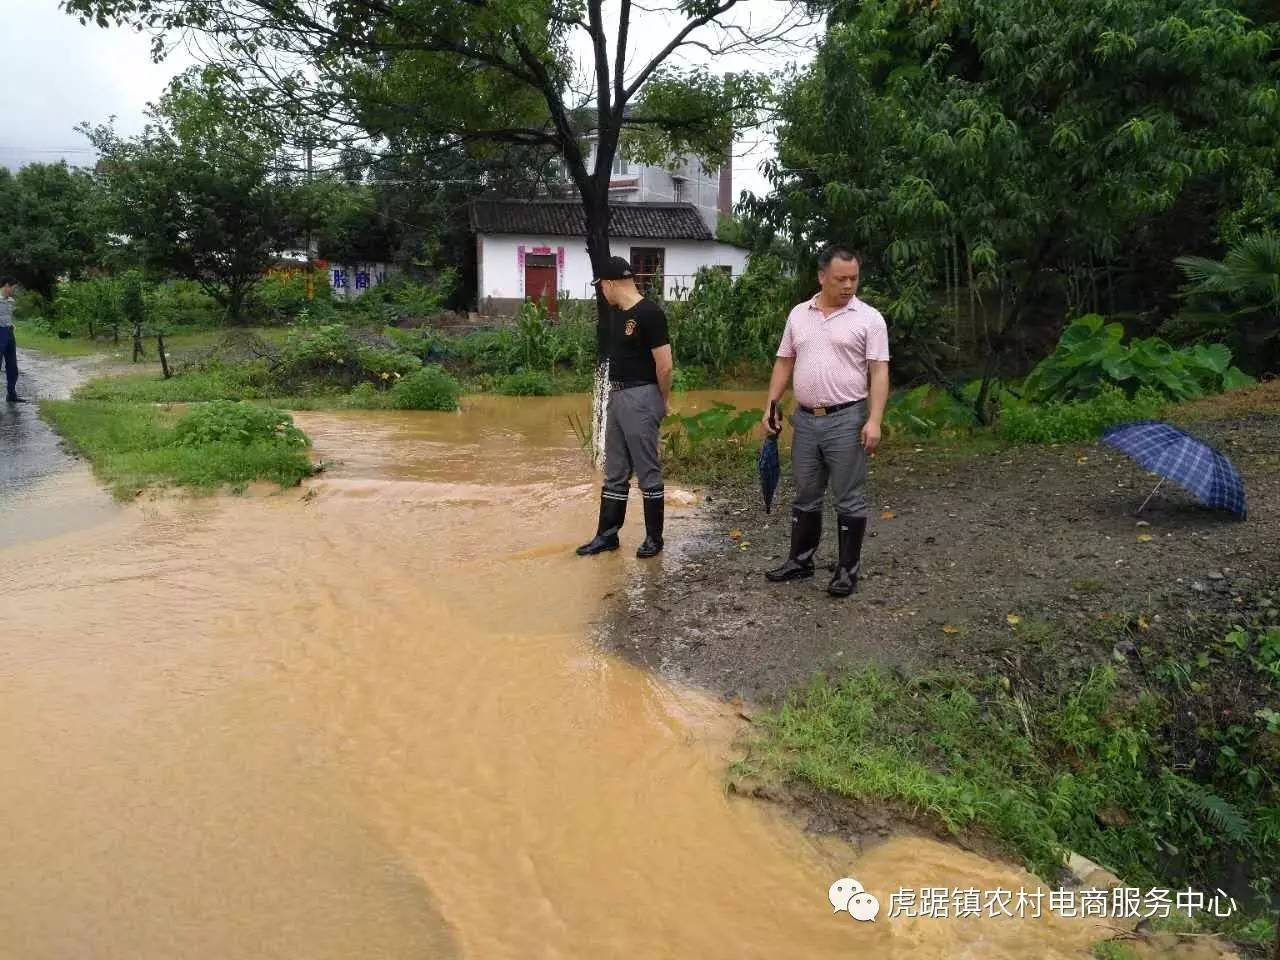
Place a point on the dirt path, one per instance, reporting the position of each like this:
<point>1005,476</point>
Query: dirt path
<point>1045,534</point>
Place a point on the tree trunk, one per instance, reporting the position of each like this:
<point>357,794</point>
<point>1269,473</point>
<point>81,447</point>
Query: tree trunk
<point>595,202</point>
<point>164,359</point>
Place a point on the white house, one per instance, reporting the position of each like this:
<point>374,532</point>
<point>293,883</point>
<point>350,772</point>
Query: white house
<point>688,181</point>
<point>537,249</point>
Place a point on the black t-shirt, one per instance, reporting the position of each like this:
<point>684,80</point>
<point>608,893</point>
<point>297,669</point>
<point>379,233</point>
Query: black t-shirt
<point>635,334</point>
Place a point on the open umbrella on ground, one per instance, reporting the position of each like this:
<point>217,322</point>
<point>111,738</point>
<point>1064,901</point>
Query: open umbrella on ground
<point>767,461</point>
<point>1190,463</point>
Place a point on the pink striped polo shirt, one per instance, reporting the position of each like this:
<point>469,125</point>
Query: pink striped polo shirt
<point>832,352</point>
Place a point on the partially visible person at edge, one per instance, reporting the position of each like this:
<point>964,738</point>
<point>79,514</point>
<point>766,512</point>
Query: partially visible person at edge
<point>639,390</point>
<point>835,353</point>
<point>8,345</point>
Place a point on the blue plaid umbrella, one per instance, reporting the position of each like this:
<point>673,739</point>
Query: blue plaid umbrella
<point>767,463</point>
<point>1192,464</point>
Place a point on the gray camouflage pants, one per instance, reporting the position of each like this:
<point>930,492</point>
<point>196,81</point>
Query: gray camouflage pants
<point>631,442</point>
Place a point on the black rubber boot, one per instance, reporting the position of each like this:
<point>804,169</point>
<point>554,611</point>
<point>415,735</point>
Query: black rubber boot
<point>654,509</point>
<point>851,531</point>
<point>806,531</point>
<point>613,510</point>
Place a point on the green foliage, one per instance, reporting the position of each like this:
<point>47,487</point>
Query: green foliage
<point>243,381</point>
<point>238,422</point>
<point>281,297</point>
<point>926,411</point>
<point>401,298</point>
<point>1092,354</point>
<point>722,421</point>
<point>30,305</point>
<point>182,303</point>
<point>195,193</point>
<point>88,307</point>
<point>726,320</point>
<point>1079,420</point>
<point>534,342</point>
<point>1262,649</point>
<point>710,447</point>
<point>526,383</point>
<point>1241,293</point>
<point>534,346</point>
<point>1033,767</point>
<point>430,388</point>
<point>689,377</point>
<point>330,353</point>
<point>941,139</point>
<point>131,446</point>
<point>1113,950</point>
<point>133,305</point>
<point>50,225</point>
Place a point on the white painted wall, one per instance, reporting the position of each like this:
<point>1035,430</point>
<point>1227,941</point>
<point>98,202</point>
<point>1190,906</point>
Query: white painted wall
<point>501,272</point>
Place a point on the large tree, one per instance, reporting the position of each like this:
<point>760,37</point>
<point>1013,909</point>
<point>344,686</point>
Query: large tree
<point>48,224</point>
<point>197,192</point>
<point>426,77</point>
<point>1036,155</point>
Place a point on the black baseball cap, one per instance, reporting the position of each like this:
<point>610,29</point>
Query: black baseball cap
<point>615,268</point>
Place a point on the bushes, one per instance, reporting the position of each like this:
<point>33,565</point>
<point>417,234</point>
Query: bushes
<point>1092,355</point>
<point>87,307</point>
<point>526,383</point>
<point>281,298</point>
<point>182,303</point>
<point>710,447</point>
<point>331,353</point>
<point>726,321</point>
<point>430,388</point>
<point>1080,420</point>
<point>228,421</point>
<point>400,298</point>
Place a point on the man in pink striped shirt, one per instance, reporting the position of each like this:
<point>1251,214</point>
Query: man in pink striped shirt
<point>835,354</point>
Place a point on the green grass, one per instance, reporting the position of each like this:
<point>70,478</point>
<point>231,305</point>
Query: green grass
<point>180,341</point>
<point>131,447</point>
<point>29,338</point>
<point>238,382</point>
<point>1031,769</point>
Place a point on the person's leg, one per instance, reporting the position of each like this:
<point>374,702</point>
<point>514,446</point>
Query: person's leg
<point>809,471</point>
<point>642,443</point>
<point>9,356</point>
<point>843,450</point>
<point>617,482</point>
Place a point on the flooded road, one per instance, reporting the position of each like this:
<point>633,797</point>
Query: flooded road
<point>367,719</point>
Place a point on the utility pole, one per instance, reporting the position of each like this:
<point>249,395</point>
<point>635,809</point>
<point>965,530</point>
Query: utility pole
<point>311,273</point>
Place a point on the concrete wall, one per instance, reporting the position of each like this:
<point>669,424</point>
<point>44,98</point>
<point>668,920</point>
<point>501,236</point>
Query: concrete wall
<point>686,182</point>
<point>501,263</point>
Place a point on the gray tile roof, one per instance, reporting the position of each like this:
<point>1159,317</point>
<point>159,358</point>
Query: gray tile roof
<point>564,218</point>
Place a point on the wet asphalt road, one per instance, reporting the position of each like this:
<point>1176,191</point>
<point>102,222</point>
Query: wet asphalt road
<point>44,490</point>
<point>29,449</point>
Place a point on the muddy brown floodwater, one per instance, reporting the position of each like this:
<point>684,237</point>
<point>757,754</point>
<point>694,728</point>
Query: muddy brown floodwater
<point>367,719</point>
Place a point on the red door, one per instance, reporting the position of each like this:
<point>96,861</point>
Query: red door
<point>540,280</point>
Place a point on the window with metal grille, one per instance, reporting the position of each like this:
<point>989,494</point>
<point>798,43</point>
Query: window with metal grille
<point>646,264</point>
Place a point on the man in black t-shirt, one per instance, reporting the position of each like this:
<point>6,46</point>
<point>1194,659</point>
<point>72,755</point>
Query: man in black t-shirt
<point>639,388</point>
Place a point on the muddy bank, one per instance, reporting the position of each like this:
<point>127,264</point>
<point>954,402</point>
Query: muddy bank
<point>957,545</point>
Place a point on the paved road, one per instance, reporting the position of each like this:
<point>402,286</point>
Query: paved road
<point>44,490</point>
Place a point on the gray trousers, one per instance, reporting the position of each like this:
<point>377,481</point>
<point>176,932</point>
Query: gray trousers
<point>829,449</point>
<point>631,441</point>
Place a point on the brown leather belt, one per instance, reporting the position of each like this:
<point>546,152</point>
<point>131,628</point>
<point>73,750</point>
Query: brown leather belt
<point>823,411</point>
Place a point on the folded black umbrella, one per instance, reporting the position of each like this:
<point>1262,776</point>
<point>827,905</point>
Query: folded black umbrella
<point>767,462</point>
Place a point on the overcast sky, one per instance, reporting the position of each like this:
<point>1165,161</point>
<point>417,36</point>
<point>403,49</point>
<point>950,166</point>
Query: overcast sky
<point>55,73</point>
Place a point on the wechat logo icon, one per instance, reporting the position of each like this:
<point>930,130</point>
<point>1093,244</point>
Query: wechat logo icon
<point>847,896</point>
